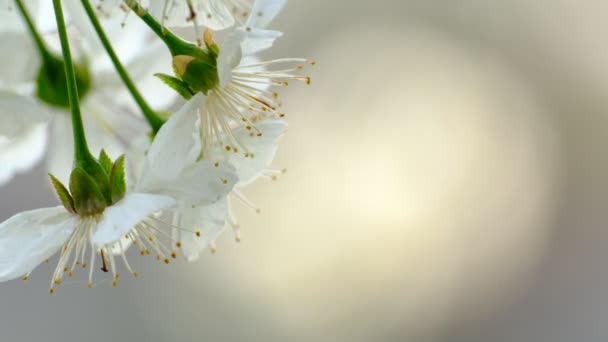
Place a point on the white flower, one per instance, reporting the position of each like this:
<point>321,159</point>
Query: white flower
<point>29,238</point>
<point>244,95</point>
<point>107,108</point>
<point>209,218</point>
<point>249,164</point>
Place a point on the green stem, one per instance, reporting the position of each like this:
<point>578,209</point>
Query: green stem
<point>82,154</point>
<point>42,48</point>
<point>153,119</point>
<point>176,45</point>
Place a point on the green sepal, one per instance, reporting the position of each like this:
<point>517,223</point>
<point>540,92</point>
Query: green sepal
<point>176,84</point>
<point>213,50</point>
<point>63,194</point>
<point>118,180</point>
<point>201,76</point>
<point>88,198</point>
<point>105,162</point>
<point>52,85</point>
<point>94,169</point>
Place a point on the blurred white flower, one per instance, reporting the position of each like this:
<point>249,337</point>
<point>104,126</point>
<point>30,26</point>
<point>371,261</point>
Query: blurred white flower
<point>108,111</point>
<point>213,14</point>
<point>23,134</point>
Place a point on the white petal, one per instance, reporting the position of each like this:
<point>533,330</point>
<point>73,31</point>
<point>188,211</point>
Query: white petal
<point>263,149</point>
<point>230,56</point>
<point>171,169</point>
<point>199,183</point>
<point>264,11</point>
<point>258,40</point>
<point>209,220</point>
<point>215,14</point>
<point>173,148</point>
<point>18,113</point>
<point>29,238</point>
<point>23,134</point>
<point>10,18</point>
<point>121,217</point>
<point>21,63</point>
<point>21,154</point>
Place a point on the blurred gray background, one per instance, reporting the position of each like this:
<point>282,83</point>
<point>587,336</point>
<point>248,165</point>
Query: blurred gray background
<point>447,182</point>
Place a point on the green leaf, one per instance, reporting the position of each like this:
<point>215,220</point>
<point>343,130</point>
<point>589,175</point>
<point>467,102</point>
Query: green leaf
<point>117,180</point>
<point>63,194</point>
<point>88,199</point>
<point>176,84</point>
<point>105,161</point>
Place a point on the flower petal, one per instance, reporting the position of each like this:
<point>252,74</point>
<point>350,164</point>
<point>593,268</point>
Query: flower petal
<point>21,63</point>
<point>23,134</point>
<point>200,183</point>
<point>21,154</point>
<point>30,237</point>
<point>230,56</point>
<point>264,11</point>
<point>209,220</point>
<point>122,217</point>
<point>218,15</point>
<point>173,148</point>
<point>18,113</point>
<point>258,40</point>
<point>213,14</point>
<point>261,150</point>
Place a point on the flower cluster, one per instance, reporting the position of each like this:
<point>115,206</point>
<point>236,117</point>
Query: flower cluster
<point>130,172</point>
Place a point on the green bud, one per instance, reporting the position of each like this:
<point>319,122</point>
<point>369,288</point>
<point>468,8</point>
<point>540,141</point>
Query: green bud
<point>51,82</point>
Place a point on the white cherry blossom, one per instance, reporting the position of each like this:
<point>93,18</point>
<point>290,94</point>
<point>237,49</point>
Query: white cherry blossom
<point>29,238</point>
